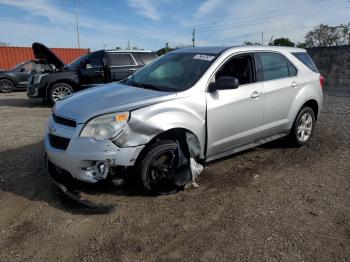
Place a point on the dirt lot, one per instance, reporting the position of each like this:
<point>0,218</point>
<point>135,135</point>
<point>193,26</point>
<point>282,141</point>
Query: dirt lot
<point>273,203</point>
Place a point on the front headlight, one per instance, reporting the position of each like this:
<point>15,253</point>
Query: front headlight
<point>37,78</point>
<point>106,126</point>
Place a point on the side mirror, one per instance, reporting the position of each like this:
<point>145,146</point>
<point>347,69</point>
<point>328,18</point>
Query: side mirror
<point>223,83</point>
<point>22,69</point>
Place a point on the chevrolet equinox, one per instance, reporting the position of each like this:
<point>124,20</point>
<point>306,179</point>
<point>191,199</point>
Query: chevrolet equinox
<point>189,106</point>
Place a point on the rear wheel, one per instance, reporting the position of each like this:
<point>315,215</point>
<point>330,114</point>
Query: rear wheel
<point>6,86</point>
<point>303,127</point>
<point>156,169</point>
<point>59,91</point>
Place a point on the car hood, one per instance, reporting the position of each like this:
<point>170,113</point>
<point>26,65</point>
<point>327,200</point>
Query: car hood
<point>42,52</point>
<point>108,98</point>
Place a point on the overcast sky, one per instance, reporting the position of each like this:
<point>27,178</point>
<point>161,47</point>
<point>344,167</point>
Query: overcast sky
<point>150,23</point>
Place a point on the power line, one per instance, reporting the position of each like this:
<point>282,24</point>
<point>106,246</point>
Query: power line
<point>245,22</point>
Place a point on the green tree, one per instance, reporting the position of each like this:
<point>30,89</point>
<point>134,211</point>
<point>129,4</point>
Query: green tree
<point>282,42</point>
<point>326,35</point>
<point>302,45</point>
<point>164,50</point>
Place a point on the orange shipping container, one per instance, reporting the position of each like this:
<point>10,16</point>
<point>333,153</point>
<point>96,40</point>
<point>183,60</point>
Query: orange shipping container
<point>11,56</point>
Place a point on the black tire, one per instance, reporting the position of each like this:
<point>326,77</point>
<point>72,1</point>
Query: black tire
<point>58,91</point>
<point>6,85</point>
<point>301,133</point>
<point>152,179</point>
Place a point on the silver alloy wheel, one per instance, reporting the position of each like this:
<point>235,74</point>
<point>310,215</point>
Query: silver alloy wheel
<point>60,92</point>
<point>5,85</point>
<point>305,127</point>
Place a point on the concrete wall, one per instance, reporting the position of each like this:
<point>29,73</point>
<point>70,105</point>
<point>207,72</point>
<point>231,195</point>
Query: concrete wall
<point>334,64</point>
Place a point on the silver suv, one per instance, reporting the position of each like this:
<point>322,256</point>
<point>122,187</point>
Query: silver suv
<point>188,107</point>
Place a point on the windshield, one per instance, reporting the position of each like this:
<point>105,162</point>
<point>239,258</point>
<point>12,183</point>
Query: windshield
<point>17,67</point>
<point>76,63</point>
<point>172,72</point>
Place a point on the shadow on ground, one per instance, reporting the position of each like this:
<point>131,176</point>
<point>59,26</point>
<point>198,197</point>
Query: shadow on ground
<point>22,174</point>
<point>13,100</point>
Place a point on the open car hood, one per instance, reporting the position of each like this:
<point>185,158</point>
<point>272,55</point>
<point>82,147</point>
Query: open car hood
<point>42,52</point>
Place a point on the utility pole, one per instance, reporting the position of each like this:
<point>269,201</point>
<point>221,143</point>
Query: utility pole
<point>77,20</point>
<point>194,37</point>
<point>128,47</point>
<point>262,38</point>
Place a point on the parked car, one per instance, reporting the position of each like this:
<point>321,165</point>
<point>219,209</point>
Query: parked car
<point>190,106</point>
<point>88,70</point>
<point>17,77</point>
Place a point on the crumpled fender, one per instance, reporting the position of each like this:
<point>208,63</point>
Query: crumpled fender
<point>148,122</point>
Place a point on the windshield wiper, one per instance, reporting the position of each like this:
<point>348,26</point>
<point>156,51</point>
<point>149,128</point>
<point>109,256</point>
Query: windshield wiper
<point>131,82</point>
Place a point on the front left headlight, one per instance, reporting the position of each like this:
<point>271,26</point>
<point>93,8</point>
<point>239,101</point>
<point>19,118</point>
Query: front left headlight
<point>106,126</point>
<point>37,78</point>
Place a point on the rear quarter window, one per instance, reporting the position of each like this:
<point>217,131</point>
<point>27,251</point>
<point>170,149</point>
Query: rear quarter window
<point>306,60</point>
<point>148,57</point>
<point>120,59</point>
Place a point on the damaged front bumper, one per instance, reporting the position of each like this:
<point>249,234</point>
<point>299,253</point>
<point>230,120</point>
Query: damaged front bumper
<point>86,159</point>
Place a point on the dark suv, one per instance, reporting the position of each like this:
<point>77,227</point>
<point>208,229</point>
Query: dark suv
<point>98,67</point>
<point>17,77</point>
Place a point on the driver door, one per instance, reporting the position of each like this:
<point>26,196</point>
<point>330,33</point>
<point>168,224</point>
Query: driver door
<point>235,116</point>
<point>91,71</point>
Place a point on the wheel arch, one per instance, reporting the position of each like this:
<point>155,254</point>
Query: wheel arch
<point>312,103</point>
<point>63,81</point>
<point>12,79</point>
<point>305,97</point>
<point>178,134</point>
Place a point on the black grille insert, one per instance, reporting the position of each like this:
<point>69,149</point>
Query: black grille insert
<point>64,121</point>
<point>59,142</point>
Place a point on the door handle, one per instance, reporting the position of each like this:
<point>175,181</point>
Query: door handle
<point>132,69</point>
<point>294,84</point>
<point>256,94</point>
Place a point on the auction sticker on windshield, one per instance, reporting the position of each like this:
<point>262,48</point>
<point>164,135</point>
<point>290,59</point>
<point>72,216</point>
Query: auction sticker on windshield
<point>204,57</point>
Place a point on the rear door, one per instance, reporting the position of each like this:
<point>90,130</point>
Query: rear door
<point>281,86</point>
<point>234,117</point>
<point>122,65</point>
<point>91,70</point>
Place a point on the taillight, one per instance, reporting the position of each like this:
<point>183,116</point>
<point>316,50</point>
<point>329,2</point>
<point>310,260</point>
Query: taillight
<point>321,80</point>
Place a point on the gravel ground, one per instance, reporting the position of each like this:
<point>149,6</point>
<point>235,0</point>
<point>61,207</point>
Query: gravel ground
<point>272,203</point>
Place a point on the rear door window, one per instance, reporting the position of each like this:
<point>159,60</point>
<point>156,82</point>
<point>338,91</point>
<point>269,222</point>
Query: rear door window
<point>306,60</point>
<point>276,66</point>
<point>117,59</point>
